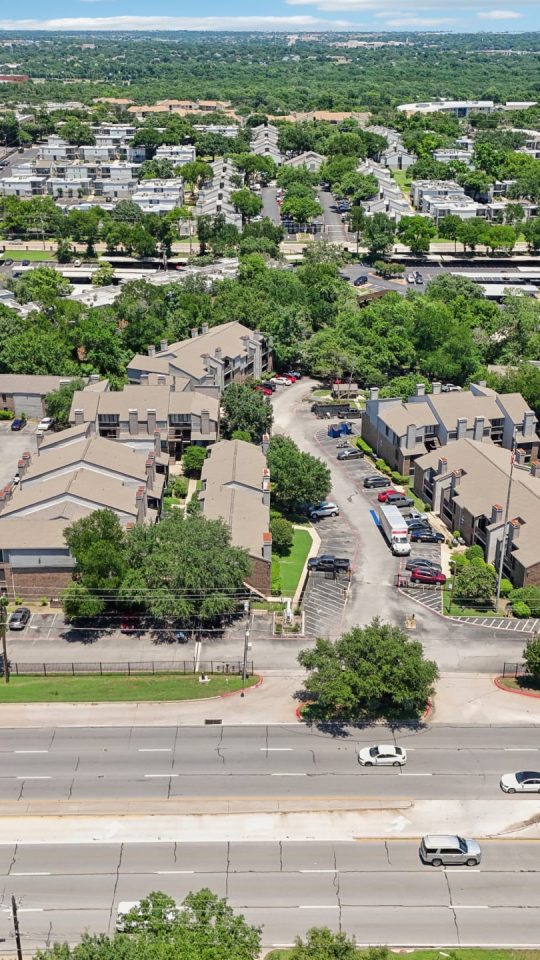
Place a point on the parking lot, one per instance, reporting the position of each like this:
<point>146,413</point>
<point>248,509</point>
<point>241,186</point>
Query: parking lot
<point>12,446</point>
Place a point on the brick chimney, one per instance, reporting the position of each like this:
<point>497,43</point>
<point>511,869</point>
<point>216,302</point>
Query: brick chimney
<point>150,470</point>
<point>456,478</point>
<point>513,532</point>
<point>496,513</point>
<point>420,390</point>
<point>151,421</point>
<point>266,487</point>
<point>436,388</point>
<point>151,350</point>
<point>267,546</point>
<point>535,468</point>
<point>163,345</point>
<point>140,503</point>
<point>442,466</point>
<point>478,428</point>
<point>265,443</point>
<point>194,332</point>
<point>204,328</point>
<point>133,421</point>
<point>78,415</point>
<point>157,443</point>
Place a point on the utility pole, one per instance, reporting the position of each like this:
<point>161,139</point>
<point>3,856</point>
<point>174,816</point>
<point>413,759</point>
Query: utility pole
<point>16,927</point>
<point>505,528</point>
<point>246,647</point>
<point>3,604</point>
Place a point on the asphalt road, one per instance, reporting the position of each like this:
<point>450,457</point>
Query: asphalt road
<point>270,206</point>
<point>257,762</point>
<point>378,891</point>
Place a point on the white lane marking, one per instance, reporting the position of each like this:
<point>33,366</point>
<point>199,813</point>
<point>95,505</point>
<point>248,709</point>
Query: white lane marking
<point>34,778</point>
<point>276,749</point>
<point>468,906</point>
<point>416,774</point>
<point>288,774</point>
<point>155,749</point>
<point>34,873</point>
<point>30,909</point>
<point>451,870</point>
<point>319,871</point>
<point>30,751</point>
<point>313,906</point>
<point>155,776</point>
<point>51,626</point>
<point>521,749</point>
<point>170,873</point>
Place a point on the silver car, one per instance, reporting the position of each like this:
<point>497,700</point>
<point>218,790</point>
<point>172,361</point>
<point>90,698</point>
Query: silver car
<point>443,850</point>
<point>324,509</point>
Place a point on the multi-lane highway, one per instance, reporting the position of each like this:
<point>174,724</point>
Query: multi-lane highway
<point>379,891</point>
<point>259,761</point>
<point>91,817</point>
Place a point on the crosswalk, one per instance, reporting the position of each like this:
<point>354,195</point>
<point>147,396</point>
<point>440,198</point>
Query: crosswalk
<point>508,624</point>
<point>324,603</point>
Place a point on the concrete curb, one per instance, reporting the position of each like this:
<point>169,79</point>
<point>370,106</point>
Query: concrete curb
<point>520,693</point>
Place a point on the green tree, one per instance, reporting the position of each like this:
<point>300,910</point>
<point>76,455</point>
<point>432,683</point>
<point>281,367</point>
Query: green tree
<point>449,228</point>
<point>76,132</point>
<point>104,275</point>
<point>531,230</point>
<point>416,233</point>
<point>476,581</point>
<point>98,545</point>
<point>246,409</point>
<point>370,671</point>
<point>531,656</point>
<point>192,460</point>
<point>79,601</point>
<point>379,234</point>
<point>40,285</point>
<point>323,944</point>
<point>300,207</point>
<point>58,403</point>
<point>282,532</point>
<point>297,478</point>
<point>357,222</point>
<point>195,173</point>
<point>184,567</point>
<point>247,203</point>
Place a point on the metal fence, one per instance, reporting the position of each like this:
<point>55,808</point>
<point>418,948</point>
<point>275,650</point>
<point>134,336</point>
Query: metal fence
<point>514,670</point>
<point>130,668</point>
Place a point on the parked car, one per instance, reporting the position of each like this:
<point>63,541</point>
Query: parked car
<point>423,575</point>
<point>426,536</point>
<point>450,388</point>
<point>399,500</point>
<point>324,509</point>
<point>268,392</point>
<point>383,755</point>
<point>376,480</point>
<point>328,562</point>
<point>45,424</point>
<point>383,496</point>
<point>526,781</point>
<point>293,373</point>
<point>351,454</point>
<point>414,522</point>
<point>281,381</point>
<point>25,263</point>
<point>7,262</point>
<point>410,278</point>
<point>19,618</point>
<point>180,636</point>
<point>361,280</point>
<point>421,563</point>
<point>18,423</point>
<point>418,278</point>
<point>289,377</point>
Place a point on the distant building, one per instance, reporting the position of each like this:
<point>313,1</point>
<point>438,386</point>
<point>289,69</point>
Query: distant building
<point>459,108</point>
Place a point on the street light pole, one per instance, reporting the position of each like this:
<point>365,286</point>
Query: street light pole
<point>505,528</point>
<point>3,604</point>
<point>16,928</point>
<point>244,665</point>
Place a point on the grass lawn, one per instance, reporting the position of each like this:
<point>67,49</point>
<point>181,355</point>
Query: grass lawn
<point>459,954</point>
<point>32,255</point>
<point>526,683</point>
<point>322,392</point>
<point>456,609</point>
<point>292,566</point>
<point>116,687</point>
<point>403,180</point>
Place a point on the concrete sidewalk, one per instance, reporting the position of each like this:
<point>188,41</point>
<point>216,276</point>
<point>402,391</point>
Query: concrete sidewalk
<point>460,698</point>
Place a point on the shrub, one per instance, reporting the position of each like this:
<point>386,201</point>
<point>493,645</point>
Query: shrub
<point>362,445</point>
<point>400,478</point>
<point>180,487</point>
<point>506,588</point>
<point>6,415</point>
<point>383,467</point>
<point>241,435</point>
<point>521,609</point>
<point>282,535</point>
<point>531,655</point>
<point>276,577</point>
<point>192,461</point>
<point>476,551</point>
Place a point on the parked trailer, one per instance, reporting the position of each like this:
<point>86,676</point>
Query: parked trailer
<point>395,529</point>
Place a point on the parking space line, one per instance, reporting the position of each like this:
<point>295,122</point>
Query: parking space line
<point>52,625</point>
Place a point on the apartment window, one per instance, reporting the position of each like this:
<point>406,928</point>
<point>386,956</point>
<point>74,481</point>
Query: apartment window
<point>180,418</point>
<point>108,418</point>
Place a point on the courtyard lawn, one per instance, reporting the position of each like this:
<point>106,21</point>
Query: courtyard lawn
<point>291,566</point>
<point>403,180</point>
<point>33,255</point>
<point>526,683</point>
<point>117,687</point>
<point>455,608</point>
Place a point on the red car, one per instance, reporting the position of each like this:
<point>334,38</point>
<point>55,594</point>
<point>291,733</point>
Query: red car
<point>384,494</point>
<point>420,575</point>
<point>289,377</point>
<point>266,390</point>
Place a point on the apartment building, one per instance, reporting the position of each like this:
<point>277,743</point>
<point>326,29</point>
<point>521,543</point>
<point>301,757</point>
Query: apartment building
<point>209,360</point>
<point>401,432</point>
<point>466,484</point>
<point>178,155</point>
<point>141,416</point>
<point>458,108</point>
<point>25,186</point>
<point>264,142</point>
<point>159,196</point>
<point>236,489</point>
<point>73,474</point>
<point>310,159</point>
<point>25,393</point>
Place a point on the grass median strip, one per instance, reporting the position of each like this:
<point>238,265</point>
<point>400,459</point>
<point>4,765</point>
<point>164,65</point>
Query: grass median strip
<point>117,687</point>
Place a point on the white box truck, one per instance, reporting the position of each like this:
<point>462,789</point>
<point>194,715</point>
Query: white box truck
<point>395,529</point>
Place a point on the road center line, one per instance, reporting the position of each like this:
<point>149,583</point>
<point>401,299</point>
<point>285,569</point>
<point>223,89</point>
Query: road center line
<point>521,749</point>
<point>30,909</point>
<point>170,873</point>
<point>155,749</point>
<point>276,749</point>
<point>288,774</point>
<point>313,906</point>
<point>34,778</point>
<point>34,873</point>
<point>154,776</point>
<point>30,751</point>
<point>416,774</point>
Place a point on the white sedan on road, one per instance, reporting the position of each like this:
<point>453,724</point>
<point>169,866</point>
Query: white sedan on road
<point>526,781</point>
<point>382,755</point>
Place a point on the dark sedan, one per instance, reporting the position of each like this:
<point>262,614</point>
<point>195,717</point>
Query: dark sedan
<point>426,536</point>
<point>18,423</point>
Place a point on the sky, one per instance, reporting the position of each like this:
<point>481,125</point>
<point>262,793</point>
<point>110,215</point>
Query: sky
<point>290,16</point>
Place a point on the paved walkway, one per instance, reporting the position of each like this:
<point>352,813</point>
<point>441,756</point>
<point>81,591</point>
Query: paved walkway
<point>474,698</point>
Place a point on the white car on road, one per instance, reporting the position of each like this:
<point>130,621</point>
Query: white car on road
<point>526,781</point>
<point>382,755</point>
